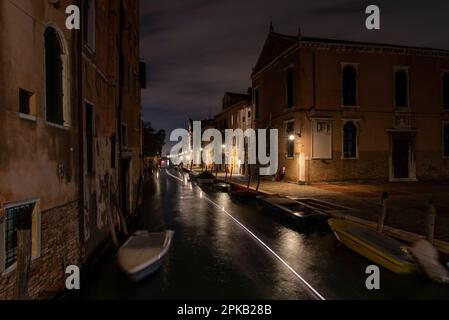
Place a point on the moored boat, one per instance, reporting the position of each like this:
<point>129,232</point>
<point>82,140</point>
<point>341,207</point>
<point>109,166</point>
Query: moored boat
<point>244,193</point>
<point>291,207</point>
<point>206,178</point>
<point>224,187</point>
<point>143,253</point>
<point>373,245</point>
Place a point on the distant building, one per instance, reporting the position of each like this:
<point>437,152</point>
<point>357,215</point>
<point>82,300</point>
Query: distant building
<point>70,142</point>
<point>236,114</point>
<point>354,111</point>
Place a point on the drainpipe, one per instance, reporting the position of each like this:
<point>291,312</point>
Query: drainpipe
<point>78,101</point>
<point>313,106</point>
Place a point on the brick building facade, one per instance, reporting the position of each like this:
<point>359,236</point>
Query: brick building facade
<point>62,136</point>
<point>354,111</point>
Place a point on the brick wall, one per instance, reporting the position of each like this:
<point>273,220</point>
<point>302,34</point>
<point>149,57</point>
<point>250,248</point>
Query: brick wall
<point>59,249</point>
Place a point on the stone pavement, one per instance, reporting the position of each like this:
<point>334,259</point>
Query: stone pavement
<point>407,204</point>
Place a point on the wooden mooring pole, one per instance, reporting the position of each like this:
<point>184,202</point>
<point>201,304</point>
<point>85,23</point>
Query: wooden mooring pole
<point>383,212</point>
<point>24,244</point>
<point>431,217</point>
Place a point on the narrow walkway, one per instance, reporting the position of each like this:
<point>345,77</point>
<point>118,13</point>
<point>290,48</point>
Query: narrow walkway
<point>407,205</point>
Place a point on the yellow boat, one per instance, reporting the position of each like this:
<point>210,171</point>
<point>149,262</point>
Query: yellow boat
<point>375,246</point>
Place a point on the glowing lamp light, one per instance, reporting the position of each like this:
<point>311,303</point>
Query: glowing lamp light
<point>291,138</point>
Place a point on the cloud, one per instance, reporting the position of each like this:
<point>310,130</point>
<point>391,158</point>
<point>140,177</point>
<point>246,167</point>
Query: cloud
<point>197,50</point>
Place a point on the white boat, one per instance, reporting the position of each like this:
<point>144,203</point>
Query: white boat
<point>143,253</point>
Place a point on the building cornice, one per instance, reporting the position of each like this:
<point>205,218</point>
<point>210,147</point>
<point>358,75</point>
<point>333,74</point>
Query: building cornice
<point>374,48</point>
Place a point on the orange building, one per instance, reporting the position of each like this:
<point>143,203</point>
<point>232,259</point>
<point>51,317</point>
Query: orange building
<point>354,111</point>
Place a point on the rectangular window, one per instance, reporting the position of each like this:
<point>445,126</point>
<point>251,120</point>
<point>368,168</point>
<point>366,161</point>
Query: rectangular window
<point>322,139</point>
<point>349,85</point>
<point>290,131</point>
<point>26,102</point>
<point>143,74</point>
<point>89,21</point>
<point>113,151</point>
<point>290,84</point>
<point>124,135</point>
<point>446,140</point>
<point>445,90</point>
<point>401,87</point>
<point>256,103</point>
<point>18,217</point>
<point>90,132</point>
<point>350,137</point>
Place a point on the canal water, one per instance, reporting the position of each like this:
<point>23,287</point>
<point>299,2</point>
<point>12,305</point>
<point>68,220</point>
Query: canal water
<point>229,249</point>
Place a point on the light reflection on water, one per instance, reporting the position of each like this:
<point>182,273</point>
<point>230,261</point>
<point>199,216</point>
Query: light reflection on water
<point>213,258</point>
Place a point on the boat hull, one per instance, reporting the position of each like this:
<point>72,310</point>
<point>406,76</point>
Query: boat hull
<point>386,256</point>
<point>205,181</point>
<point>143,253</point>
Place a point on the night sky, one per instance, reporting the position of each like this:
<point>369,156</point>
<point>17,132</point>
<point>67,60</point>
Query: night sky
<point>197,50</point>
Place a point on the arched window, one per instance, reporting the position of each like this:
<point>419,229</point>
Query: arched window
<point>349,86</point>
<point>445,88</point>
<point>290,84</point>
<point>401,88</point>
<point>350,140</point>
<point>446,140</point>
<point>55,91</point>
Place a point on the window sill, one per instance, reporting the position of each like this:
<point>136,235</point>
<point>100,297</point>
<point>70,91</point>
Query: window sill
<point>28,117</point>
<point>350,107</point>
<point>345,158</point>
<point>58,126</point>
<point>404,180</point>
<point>13,268</point>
